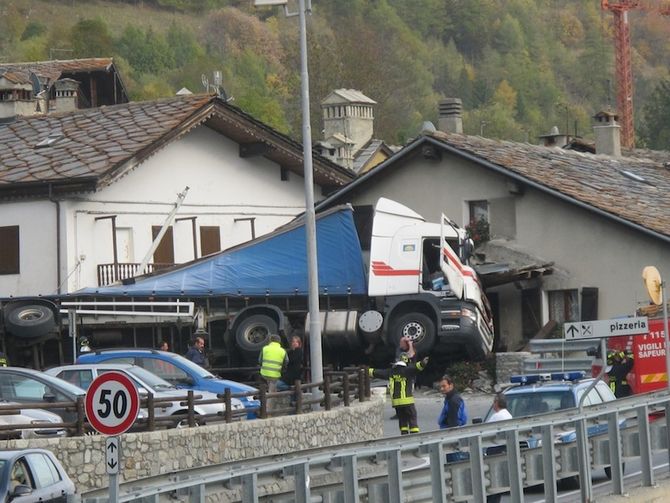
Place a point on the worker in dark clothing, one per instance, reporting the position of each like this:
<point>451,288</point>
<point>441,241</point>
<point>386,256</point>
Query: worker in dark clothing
<point>619,364</point>
<point>293,370</point>
<point>401,388</point>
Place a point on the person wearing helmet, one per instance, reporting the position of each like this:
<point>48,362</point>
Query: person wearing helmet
<point>619,364</point>
<point>401,378</point>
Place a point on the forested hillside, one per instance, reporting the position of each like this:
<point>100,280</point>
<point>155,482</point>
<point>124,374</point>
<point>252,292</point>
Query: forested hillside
<point>520,66</point>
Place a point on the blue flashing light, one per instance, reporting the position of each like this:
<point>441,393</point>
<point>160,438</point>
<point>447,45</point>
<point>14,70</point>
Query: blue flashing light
<point>554,376</point>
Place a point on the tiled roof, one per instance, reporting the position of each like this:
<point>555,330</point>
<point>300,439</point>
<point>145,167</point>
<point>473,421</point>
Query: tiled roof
<point>632,188</point>
<point>54,69</point>
<point>96,145</point>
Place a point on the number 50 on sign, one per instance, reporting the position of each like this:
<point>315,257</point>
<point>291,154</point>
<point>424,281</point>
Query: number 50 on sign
<point>112,403</point>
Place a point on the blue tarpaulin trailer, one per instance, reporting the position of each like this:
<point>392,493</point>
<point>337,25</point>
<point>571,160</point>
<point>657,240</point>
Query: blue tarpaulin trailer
<point>275,264</point>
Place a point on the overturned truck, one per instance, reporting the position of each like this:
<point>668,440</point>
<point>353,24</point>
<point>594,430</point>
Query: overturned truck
<point>380,278</point>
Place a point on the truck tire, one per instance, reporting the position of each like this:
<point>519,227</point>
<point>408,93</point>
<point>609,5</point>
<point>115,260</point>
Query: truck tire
<point>253,333</point>
<point>30,321</point>
<point>418,327</point>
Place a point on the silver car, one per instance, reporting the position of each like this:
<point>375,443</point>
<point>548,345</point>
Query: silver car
<point>147,383</point>
<point>34,417</point>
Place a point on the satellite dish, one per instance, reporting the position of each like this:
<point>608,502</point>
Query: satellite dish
<point>652,282</point>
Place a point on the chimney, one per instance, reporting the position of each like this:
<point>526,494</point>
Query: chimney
<point>554,138</point>
<point>66,95</point>
<point>450,119</point>
<point>608,134</point>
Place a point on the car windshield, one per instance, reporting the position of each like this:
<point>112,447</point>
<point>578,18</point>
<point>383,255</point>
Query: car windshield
<point>149,379</point>
<point>531,403</point>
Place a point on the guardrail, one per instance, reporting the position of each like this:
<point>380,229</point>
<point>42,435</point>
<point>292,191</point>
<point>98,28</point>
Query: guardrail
<point>460,464</point>
<point>543,349</point>
<point>339,388</point>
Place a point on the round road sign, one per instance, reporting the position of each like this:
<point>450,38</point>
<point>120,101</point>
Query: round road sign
<point>112,403</point>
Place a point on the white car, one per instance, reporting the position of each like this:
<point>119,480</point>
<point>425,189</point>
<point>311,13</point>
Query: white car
<point>30,417</point>
<point>147,383</point>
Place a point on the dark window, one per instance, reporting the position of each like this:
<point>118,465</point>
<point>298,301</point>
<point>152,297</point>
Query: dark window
<point>210,239</point>
<point>531,312</point>
<point>283,173</point>
<point>9,250</point>
<point>164,254</point>
<point>363,216</point>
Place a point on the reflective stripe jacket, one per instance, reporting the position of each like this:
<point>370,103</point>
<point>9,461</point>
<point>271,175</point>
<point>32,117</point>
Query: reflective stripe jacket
<point>272,360</point>
<point>401,381</point>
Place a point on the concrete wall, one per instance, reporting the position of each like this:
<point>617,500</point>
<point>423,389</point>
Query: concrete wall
<point>153,453</point>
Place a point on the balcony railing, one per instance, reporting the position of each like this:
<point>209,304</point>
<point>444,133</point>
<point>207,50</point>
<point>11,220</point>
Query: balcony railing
<point>111,273</point>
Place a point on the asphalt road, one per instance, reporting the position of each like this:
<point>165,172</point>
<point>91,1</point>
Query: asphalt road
<point>429,405</point>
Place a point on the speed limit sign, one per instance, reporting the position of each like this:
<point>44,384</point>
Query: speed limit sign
<point>112,403</point>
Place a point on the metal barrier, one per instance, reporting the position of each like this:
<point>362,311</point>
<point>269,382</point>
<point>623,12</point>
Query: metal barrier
<point>461,464</point>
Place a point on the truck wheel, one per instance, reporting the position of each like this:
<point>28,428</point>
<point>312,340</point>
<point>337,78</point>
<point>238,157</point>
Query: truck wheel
<point>253,333</point>
<point>417,327</point>
<point>30,321</point>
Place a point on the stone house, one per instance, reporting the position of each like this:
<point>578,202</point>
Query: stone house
<point>42,87</point>
<point>568,232</point>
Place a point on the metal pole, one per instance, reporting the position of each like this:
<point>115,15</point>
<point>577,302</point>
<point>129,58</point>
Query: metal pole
<point>316,362</point>
<point>665,332</point>
<point>72,329</point>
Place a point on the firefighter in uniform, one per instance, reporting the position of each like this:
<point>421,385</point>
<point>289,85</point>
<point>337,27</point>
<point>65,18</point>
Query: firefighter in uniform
<point>619,364</point>
<point>272,360</point>
<point>401,378</point>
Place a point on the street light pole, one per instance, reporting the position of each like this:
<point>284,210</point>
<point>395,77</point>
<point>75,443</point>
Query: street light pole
<point>316,358</point>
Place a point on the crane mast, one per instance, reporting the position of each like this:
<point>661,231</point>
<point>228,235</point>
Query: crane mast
<point>623,66</point>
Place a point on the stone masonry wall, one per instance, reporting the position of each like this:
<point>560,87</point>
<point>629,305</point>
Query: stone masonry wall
<point>509,364</point>
<point>153,453</point>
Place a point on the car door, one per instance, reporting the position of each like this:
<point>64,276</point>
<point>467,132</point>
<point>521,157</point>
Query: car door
<point>28,389</point>
<point>23,473</point>
<point>49,484</point>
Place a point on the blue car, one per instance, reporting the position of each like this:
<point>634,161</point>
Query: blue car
<point>177,370</point>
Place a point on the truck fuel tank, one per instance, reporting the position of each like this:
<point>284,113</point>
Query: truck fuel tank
<point>338,329</point>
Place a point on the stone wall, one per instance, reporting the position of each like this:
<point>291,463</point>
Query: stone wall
<point>509,364</point>
<point>153,453</point>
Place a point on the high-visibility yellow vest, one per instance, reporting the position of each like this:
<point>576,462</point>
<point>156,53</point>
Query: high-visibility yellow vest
<point>272,360</point>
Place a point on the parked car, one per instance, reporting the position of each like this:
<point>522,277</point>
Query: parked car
<point>23,385</point>
<point>32,475</point>
<point>177,370</point>
<point>34,417</point>
<point>146,383</point>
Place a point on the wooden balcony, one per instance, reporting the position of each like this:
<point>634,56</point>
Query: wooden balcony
<point>111,273</point>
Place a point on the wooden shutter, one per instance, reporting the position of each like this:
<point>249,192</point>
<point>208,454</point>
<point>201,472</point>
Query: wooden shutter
<point>9,250</point>
<point>210,239</point>
<point>164,254</point>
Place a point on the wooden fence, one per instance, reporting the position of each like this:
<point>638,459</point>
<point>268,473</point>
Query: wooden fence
<point>339,388</point>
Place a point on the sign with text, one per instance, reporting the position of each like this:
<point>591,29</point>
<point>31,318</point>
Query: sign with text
<point>606,328</point>
<point>112,403</point>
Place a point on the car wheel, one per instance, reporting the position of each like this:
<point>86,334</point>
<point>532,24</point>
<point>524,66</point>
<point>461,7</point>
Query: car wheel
<point>254,332</point>
<point>30,321</point>
<point>417,327</point>
<point>183,423</point>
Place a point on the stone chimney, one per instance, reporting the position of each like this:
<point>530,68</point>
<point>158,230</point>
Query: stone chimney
<point>554,138</point>
<point>608,134</point>
<point>66,95</point>
<point>450,119</point>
